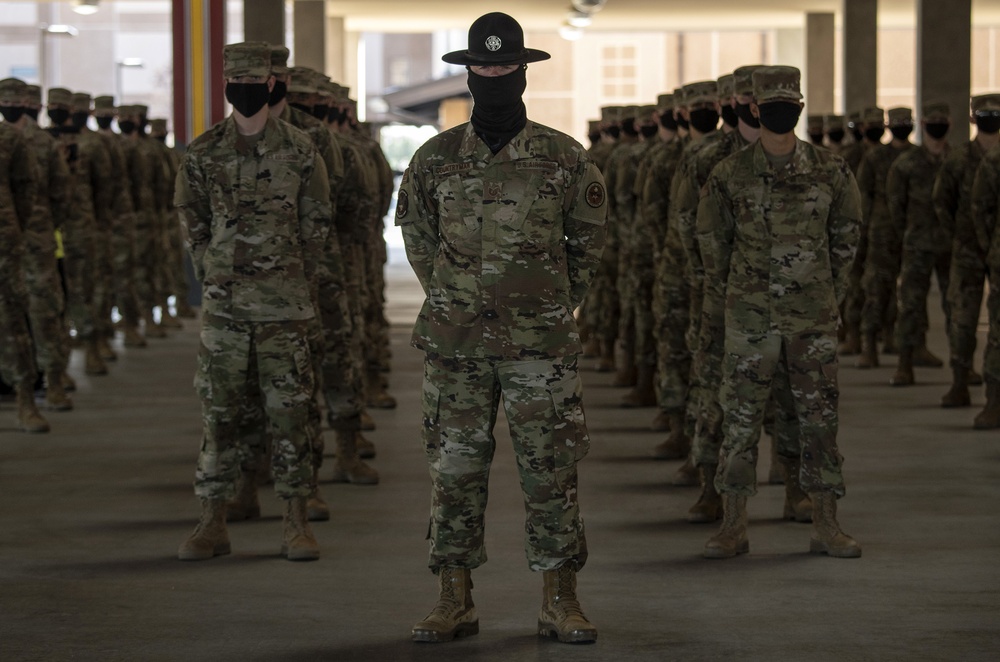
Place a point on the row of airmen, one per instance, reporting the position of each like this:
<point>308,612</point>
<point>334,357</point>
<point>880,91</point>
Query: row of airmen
<point>91,229</point>
<point>643,317</point>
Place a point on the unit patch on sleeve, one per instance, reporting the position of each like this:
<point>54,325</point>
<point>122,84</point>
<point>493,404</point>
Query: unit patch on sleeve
<point>595,194</point>
<point>402,204</point>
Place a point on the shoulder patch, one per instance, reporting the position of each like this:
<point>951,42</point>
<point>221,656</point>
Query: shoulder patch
<point>595,194</point>
<point>402,204</point>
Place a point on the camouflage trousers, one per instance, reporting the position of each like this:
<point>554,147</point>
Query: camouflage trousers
<point>966,281</point>
<point>46,300</point>
<point>854,301</point>
<point>603,299</point>
<point>104,284</point>
<point>671,307</point>
<point>375,321</point>
<point>642,310</point>
<point>626,290</point>
<point>172,274</point>
<point>357,297</point>
<point>284,385</point>
<point>123,264</point>
<point>543,404</point>
<point>914,285</point>
<point>991,359</point>
<point>879,283</point>
<point>16,350</point>
<point>343,388</point>
<point>749,369</point>
<point>80,265</point>
<point>148,255</point>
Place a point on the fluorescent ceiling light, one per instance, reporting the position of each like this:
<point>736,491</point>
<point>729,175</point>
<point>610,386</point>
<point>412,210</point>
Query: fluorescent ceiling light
<point>86,7</point>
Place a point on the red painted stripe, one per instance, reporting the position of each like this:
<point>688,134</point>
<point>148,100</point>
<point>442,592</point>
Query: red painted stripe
<point>178,25</point>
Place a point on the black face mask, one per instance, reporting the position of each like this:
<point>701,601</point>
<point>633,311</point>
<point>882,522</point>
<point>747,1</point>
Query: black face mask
<point>333,114</point>
<point>32,113</point>
<point>614,131</point>
<point>104,122</point>
<point>301,106</point>
<point>342,117</point>
<point>836,136</point>
<point>278,93</point>
<point>126,126</point>
<point>779,116</point>
<point>901,132</point>
<point>704,120</point>
<point>816,138</point>
<point>12,113</point>
<point>937,130</point>
<point>729,116</point>
<point>743,112</point>
<point>58,116</point>
<point>988,123</point>
<point>667,121</point>
<point>162,139</point>
<point>594,138</point>
<point>648,130</point>
<point>79,119</point>
<point>498,113</point>
<point>628,127</point>
<point>875,133</point>
<point>141,127</point>
<point>247,98</point>
<point>858,134</point>
<point>683,123</point>
<point>320,110</point>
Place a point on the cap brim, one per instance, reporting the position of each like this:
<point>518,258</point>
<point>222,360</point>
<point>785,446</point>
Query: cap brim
<point>470,59</point>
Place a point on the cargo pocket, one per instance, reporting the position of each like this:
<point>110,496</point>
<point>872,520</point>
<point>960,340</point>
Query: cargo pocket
<point>431,429</point>
<point>570,440</point>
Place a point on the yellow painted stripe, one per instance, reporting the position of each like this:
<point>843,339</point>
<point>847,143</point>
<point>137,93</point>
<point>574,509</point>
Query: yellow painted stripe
<point>197,66</point>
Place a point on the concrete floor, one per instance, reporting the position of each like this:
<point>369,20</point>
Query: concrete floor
<point>92,514</point>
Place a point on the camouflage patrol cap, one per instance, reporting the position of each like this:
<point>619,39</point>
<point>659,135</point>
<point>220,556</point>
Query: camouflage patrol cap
<point>279,60</point>
<point>60,96</point>
<point>986,102</point>
<point>33,95</point>
<point>854,118</point>
<point>609,114</point>
<point>900,116</point>
<point>743,79</point>
<point>833,123</point>
<point>158,127</point>
<point>247,58</point>
<point>703,91</point>
<point>140,109</point>
<point>814,123</point>
<point>679,98</point>
<point>936,110</point>
<point>873,115</point>
<point>665,102</point>
<point>104,105</point>
<point>645,113</point>
<point>726,85</point>
<point>127,111</point>
<point>303,81</point>
<point>80,101</point>
<point>12,91</point>
<point>593,126</point>
<point>630,112</point>
<point>777,83</point>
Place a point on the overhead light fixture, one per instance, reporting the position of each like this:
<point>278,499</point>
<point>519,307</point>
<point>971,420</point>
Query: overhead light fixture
<point>589,6</point>
<point>578,19</point>
<point>131,62</point>
<point>86,7</point>
<point>570,32</point>
<point>61,29</point>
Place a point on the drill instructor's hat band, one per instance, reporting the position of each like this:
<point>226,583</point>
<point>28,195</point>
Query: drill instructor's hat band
<point>495,39</point>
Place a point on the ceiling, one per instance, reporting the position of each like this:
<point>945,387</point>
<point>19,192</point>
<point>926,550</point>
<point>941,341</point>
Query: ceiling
<point>621,15</point>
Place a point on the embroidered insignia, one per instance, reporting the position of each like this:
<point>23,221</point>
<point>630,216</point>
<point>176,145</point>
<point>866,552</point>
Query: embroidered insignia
<point>402,204</point>
<point>493,43</point>
<point>595,194</point>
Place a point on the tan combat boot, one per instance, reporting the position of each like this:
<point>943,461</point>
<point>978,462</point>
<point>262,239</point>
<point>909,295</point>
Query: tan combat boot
<point>975,379</point>
<point>627,374</point>
<point>377,395</point>
<point>561,615</point>
<point>686,474</point>
<point>904,369</point>
<point>643,394</point>
<point>676,445</point>
<point>132,337</point>
<point>661,422</point>
<point>868,358</point>
<point>852,341</point>
<point>827,538</point>
<point>347,466</point>
<point>68,383</point>
<point>317,509</point>
<point>797,507</point>
<point>298,544</point>
<point>210,537</point>
<point>55,395</point>
<point>989,417</point>
<point>104,348</point>
<point>366,449</point>
<point>184,309</point>
<point>153,330</point>
<point>924,358</point>
<point>454,616</point>
<point>28,416</point>
<point>732,536</point>
<point>94,364</point>
<point>168,321</point>
<point>958,394</point>
<point>367,422</point>
<point>708,508</point>
<point>246,504</point>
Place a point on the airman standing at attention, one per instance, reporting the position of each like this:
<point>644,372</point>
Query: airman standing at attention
<point>833,129</point>
<point>986,221</point>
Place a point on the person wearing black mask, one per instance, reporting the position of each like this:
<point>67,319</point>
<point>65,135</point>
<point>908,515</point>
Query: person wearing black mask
<point>926,245</point>
<point>833,129</point>
<point>727,108</point>
<point>254,201</point>
<point>967,277</point>
<point>780,324</point>
<point>814,128</point>
<point>487,209</point>
<point>885,240</point>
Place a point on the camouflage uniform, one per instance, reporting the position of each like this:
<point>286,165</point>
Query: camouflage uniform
<point>777,273</point>
<point>150,222</point>
<point>172,274</point>
<point>926,244</point>
<point>985,214</point>
<point>253,217</point>
<point>505,247</point>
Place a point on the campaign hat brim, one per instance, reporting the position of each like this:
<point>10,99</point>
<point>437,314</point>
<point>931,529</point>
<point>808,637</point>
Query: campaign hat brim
<point>468,58</point>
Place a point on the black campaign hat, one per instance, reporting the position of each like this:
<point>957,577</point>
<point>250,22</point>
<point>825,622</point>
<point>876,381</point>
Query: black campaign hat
<point>495,39</point>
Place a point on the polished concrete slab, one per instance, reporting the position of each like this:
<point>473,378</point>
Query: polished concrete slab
<point>91,516</point>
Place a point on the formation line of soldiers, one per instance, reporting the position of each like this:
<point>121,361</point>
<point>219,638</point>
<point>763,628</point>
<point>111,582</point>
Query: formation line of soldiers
<point>921,210</point>
<point>87,228</point>
<point>282,207</point>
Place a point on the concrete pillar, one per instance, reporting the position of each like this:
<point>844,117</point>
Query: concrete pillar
<point>264,20</point>
<point>309,25</point>
<point>336,48</point>
<point>818,74</point>
<point>860,54</point>
<point>944,51</point>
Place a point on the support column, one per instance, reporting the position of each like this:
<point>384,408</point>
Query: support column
<point>264,20</point>
<point>819,70</point>
<point>309,25</point>
<point>860,54</point>
<point>336,48</point>
<point>199,32</point>
<point>944,52</point>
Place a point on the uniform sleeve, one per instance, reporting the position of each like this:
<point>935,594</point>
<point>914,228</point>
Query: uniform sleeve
<point>348,212</point>
<point>102,179</point>
<point>653,205</point>
<point>985,199</point>
<point>716,225</point>
<point>315,220</point>
<point>866,185</point>
<point>585,228</point>
<point>685,202</point>
<point>897,191</point>
<point>58,185</point>
<point>24,181</point>
<point>417,219</point>
<point>195,212</point>
<point>947,186</point>
<point>844,230</point>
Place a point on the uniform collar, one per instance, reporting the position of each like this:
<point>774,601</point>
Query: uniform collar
<point>473,146</point>
<point>268,142</point>
<point>802,161</point>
